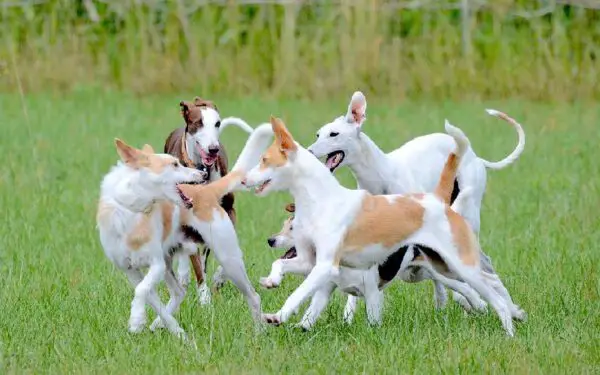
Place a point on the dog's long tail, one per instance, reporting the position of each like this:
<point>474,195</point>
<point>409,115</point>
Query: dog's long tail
<point>446,183</point>
<point>516,152</point>
<point>237,122</point>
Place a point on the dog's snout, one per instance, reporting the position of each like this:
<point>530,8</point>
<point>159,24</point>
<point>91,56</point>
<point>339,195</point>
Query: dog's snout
<point>214,150</point>
<point>271,241</point>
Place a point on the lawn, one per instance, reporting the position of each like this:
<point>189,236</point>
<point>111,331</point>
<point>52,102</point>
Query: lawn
<point>65,307</point>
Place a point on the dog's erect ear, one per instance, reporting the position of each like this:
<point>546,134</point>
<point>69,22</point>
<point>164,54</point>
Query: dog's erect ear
<point>199,102</point>
<point>357,109</point>
<point>128,154</point>
<point>148,149</point>
<point>282,136</point>
<point>291,207</point>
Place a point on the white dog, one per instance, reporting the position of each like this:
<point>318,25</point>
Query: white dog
<point>355,229</point>
<point>414,167</point>
<point>141,224</point>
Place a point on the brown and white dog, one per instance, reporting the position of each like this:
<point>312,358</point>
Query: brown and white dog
<point>355,229</point>
<point>197,146</point>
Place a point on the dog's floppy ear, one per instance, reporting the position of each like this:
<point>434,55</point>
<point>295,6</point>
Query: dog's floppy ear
<point>199,102</point>
<point>185,107</point>
<point>291,208</point>
<point>282,136</point>
<point>129,155</point>
<point>357,109</point>
<point>148,149</point>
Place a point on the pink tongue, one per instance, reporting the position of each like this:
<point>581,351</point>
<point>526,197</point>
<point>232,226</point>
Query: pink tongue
<point>206,158</point>
<point>330,162</point>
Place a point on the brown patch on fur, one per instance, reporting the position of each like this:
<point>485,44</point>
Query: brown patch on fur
<point>446,184</point>
<point>291,207</point>
<point>141,233</point>
<point>283,137</point>
<point>166,211</point>
<point>104,212</point>
<point>138,159</point>
<point>197,266</point>
<point>384,222</point>
<point>207,198</point>
<point>464,238</point>
<point>192,113</point>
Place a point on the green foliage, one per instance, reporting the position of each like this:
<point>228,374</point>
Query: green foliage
<point>315,50</point>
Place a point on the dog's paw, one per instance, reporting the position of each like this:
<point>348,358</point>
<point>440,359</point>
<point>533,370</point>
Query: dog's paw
<point>519,314</point>
<point>204,295</point>
<point>136,325</point>
<point>269,283</point>
<point>272,319</point>
<point>303,326</point>
<point>157,324</point>
<point>180,334</point>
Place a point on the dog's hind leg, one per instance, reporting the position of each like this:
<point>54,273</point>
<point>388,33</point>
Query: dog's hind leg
<point>177,294</point>
<point>494,281</point>
<point>350,308</point>
<point>145,292</point>
<point>220,236</point>
<point>183,269</point>
<point>440,295</point>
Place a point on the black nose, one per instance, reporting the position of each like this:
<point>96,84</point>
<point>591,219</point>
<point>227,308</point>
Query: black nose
<point>271,242</point>
<point>213,150</point>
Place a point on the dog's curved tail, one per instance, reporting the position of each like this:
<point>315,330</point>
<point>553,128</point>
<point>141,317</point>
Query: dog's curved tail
<point>446,184</point>
<point>237,122</point>
<point>516,152</point>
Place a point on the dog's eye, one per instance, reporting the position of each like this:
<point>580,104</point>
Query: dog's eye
<point>317,135</point>
<point>334,134</point>
<point>218,124</point>
<point>264,160</point>
<point>291,227</point>
<point>175,164</point>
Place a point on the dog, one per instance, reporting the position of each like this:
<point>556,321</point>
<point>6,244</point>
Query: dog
<point>197,146</point>
<point>138,221</point>
<point>358,283</point>
<point>355,283</point>
<point>152,208</point>
<point>343,142</point>
<point>355,229</point>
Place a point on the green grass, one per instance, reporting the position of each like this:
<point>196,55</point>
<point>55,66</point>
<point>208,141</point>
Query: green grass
<point>65,307</point>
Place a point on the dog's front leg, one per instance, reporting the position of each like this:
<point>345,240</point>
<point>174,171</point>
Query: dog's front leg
<point>350,308</point>
<point>322,273</point>
<point>301,264</point>
<point>317,304</point>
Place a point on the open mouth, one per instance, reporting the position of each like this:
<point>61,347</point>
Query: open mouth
<point>187,201</point>
<point>259,189</point>
<point>334,160</point>
<point>207,159</point>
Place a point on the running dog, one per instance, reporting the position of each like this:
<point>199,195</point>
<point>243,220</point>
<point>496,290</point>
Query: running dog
<point>197,146</point>
<point>355,229</point>
<point>413,167</point>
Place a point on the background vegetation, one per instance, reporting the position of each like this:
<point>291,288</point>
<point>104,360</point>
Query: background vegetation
<point>395,49</point>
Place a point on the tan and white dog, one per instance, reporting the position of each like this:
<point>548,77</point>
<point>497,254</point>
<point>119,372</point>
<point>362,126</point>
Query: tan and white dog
<point>142,223</point>
<point>355,229</point>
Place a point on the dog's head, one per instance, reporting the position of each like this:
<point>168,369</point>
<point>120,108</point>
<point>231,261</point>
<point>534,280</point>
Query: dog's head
<point>338,140</point>
<point>276,168</point>
<point>159,174</point>
<point>284,239</point>
<point>202,122</point>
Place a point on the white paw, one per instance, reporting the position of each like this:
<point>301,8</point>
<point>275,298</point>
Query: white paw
<point>157,324</point>
<point>180,333</point>
<point>519,314</point>
<point>204,296</point>
<point>305,326</point>
<point>136,324</point>
<point>269,283</point>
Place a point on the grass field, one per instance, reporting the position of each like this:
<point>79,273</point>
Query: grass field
<point>65,307</point>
